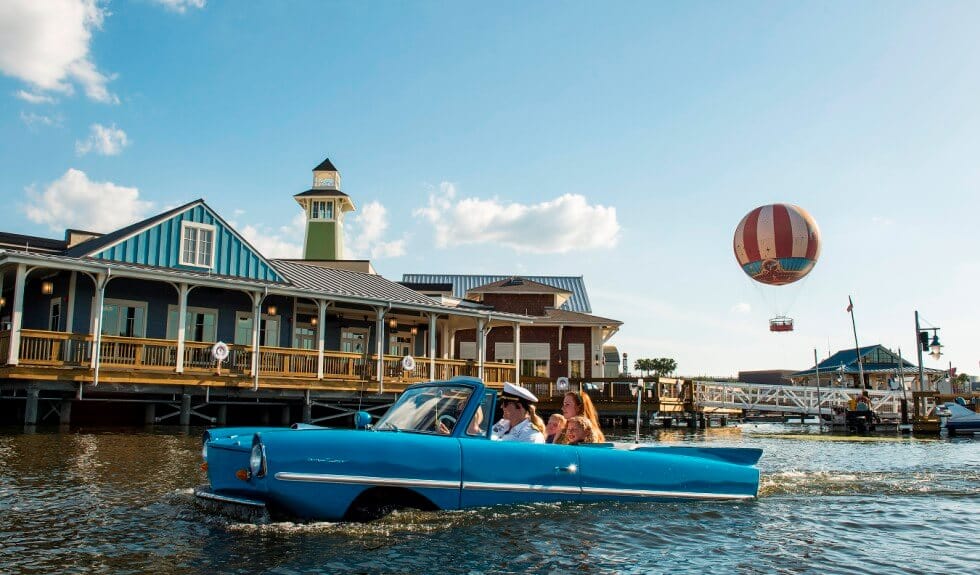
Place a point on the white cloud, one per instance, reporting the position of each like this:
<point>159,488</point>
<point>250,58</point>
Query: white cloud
<point>365,239</point>
<point>286,243</point>
<point>105,141</point>
<point>74,201</point>
<point>741,308</point>
<point>32,119</point>
<point>565,224</point>
<point>46,44</point>
<point>181,6</point>
<point>34,98</point>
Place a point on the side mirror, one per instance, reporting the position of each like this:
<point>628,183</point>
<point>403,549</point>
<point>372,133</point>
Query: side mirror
<point>362,419</point>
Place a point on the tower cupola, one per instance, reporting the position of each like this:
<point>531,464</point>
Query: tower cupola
<point>325,206</point>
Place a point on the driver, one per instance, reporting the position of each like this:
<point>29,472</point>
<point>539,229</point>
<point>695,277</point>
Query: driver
<point>521,421</point>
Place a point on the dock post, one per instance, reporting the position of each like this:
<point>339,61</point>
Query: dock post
<point>185,409</point>
<point>307,412</point>
<point>285,415</point>
<point>30,409</point>
<point>150,414</point>
<point>65,412</point>
<point>223,414</point>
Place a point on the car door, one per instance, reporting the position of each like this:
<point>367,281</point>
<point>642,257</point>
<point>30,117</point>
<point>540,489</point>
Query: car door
<point>497,472</point>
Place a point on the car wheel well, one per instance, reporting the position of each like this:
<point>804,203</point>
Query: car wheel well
<point>376,502</point>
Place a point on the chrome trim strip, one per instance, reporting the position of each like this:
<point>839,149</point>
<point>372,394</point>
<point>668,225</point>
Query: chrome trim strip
<point>521,487</point>
<point>666,494</point>
<point>228,499</point>
<point>368,480</point>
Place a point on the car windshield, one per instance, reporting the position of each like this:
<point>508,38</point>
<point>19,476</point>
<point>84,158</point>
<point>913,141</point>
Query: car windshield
<point>432,409</point>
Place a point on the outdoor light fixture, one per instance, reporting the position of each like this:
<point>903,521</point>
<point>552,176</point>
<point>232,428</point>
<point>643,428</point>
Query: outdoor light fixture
<point>3,301</point>
<point>935,349</point>
<point>47,288</point>
<point>414,330</point>
<point>313,321</point>
<point>272,310</point>
<point>393,323</point>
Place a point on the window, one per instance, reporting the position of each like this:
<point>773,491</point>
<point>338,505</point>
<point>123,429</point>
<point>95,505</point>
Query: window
<point>535,357</point>
<point>54,317</point>
<point>200,324</point>
<point>268,329</point>
<point>197,244</point>
<point>124,318</point>
<point>401,344</point>
<point>535,367</point>
<point>576,360</point>
<point>321,210</point>
<point>353,339</point>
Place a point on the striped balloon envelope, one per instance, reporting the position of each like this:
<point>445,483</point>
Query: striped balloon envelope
<point>777,244</point>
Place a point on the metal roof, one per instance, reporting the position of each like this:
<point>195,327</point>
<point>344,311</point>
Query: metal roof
<point>341,282</point>
<point>848,359</point>
<point>564,316</point>
<point>463,283</point>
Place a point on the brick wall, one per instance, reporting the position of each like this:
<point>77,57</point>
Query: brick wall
<point>527,304</point>
<point>559,358</point>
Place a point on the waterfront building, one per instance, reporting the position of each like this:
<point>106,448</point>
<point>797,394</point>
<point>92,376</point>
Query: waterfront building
<point>881,366</point>
<point>565,340</point>
<point>140,314</point>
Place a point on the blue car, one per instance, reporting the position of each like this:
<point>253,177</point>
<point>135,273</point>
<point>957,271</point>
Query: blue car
<point>432,450</point>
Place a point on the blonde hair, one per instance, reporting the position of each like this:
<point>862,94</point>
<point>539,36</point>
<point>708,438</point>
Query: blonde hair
<point>585,408</point>
<point>562,424</point>
<point>591,435</point>
<point>536,421</point>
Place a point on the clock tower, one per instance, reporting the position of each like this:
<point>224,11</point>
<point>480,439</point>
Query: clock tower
<point>325,206</point>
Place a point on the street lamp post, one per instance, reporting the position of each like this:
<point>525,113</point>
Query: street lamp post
<point>935,350</point>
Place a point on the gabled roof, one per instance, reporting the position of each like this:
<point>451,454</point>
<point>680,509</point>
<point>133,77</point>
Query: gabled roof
<point>462,283</point>
<point>517,284</point>
<point>332,281</point>
<point>325,166</point>
<point>98,244</point>
<point>875,358</point>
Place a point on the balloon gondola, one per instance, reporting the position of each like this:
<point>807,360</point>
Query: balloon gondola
<point>777,245</point>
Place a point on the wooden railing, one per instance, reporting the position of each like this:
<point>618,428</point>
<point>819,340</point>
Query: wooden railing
<point>4,346</point>
<point>58,349</point>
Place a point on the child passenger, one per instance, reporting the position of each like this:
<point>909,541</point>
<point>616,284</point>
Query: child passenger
<point>555,430</point>
<point>580,430</point>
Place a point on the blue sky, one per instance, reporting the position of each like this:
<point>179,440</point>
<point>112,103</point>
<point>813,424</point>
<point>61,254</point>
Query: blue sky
<point>621,141</point>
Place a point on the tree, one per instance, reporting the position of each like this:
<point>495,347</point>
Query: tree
<point>659,366</point>
<point>644,365</point>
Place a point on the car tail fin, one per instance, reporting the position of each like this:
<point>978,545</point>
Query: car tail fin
<point>736,455</point>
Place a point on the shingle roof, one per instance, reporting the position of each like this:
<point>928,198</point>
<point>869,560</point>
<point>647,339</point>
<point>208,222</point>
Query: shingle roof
<point>463,283</point>
<point>566,317</point>
<point>325,166</point>
<point>96,244</point>
<point>517,284</point>
<point>348,283</point>
<point>19,241</point>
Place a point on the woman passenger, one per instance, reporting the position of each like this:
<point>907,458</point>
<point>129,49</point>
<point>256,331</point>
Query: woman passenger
<point>555,430</point>
<point>578,403</point>
<point>580,430</point>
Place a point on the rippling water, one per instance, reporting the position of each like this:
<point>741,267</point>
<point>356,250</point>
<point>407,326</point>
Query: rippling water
<point>120,502</point>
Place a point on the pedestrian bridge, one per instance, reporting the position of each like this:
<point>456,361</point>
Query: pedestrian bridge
<point>713,395</point>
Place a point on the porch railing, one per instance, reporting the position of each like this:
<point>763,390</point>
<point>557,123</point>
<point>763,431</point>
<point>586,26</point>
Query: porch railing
<point>59,349</point>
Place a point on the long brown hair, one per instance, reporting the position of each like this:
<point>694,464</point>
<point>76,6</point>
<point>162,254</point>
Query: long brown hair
<point>586,409</point>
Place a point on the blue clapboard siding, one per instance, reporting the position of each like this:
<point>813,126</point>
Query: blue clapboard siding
<point>159,246</point>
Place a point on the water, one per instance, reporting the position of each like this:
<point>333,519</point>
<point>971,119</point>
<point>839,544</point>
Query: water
<point>107,501</point>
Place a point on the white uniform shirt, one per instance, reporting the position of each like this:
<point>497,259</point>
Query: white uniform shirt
<point>523,431</point>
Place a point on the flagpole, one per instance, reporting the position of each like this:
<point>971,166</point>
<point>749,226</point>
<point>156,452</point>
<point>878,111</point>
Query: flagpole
<point>816,366</point>
<point>857,348</point>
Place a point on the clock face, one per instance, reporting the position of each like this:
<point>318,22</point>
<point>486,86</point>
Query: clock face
<point>324,182</point>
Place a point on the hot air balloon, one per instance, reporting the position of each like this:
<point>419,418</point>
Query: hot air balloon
<point>776,245</point>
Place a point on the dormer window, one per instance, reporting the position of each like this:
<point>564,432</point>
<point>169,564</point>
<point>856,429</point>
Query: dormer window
<point>197,245</point>
<point>321,210</point>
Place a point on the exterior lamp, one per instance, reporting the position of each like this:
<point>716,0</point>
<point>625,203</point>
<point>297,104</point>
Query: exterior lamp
<point>3,301</point>
<point>414,330</point>
<point>272,310</point>
<point>47,288</point>
<point>393,323</point>
<point>313,321</point>
<point>935,349</point>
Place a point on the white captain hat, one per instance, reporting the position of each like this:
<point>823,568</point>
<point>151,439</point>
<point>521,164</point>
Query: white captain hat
<point>512,391</point>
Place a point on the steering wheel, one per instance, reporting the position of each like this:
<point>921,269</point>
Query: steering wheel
<point>447,420</point>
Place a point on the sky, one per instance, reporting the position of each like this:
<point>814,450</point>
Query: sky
<point>620,141</point>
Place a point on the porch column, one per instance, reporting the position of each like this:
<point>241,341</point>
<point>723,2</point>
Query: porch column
<point>70,309</point>
<point>321,324</point>
<point>257,298</point>
<point>17,315</point>
<point>181,325</point>
<point>432,346</point>
<point>379,335</point>
<point>517,353</point>
<point>481,342</point>
<point>100,282</point>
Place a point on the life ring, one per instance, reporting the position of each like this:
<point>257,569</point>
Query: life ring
<point>219,351</point>
<point>562,384</point>
<point>408,363</point>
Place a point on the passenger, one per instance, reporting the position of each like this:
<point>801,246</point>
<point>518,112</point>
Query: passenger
<point>575,404</point>
<point>555,430</point>
<point>521,421</point>
<point>580,430</point>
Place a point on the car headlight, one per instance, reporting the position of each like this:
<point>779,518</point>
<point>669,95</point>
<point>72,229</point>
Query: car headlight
<point>256,460</point>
